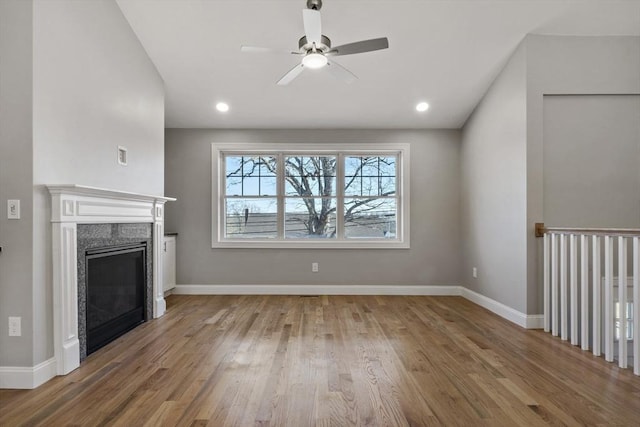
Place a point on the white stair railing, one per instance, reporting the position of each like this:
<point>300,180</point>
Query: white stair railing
<point>586,307</point>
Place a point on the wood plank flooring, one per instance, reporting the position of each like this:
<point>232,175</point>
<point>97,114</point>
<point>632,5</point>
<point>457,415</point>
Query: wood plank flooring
<point>331,361</point>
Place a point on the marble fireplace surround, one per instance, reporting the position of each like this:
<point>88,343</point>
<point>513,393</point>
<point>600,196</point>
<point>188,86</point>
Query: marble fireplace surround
<point>95,236</point>
<point>77,204</point>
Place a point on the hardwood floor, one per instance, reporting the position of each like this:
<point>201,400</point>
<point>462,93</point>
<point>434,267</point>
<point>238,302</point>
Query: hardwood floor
<point>331,360</point>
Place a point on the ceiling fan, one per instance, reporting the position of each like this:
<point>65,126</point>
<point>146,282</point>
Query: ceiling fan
<point>315,48</point>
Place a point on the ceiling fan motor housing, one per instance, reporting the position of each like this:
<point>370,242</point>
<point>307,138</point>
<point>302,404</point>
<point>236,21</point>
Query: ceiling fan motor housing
<point>322,47</point>
<point>314,4</point>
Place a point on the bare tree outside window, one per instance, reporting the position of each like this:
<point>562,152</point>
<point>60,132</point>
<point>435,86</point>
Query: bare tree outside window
<point>370,205</point>
<point>310,192</point>
<point>311,196</point>
<point>251,202</point>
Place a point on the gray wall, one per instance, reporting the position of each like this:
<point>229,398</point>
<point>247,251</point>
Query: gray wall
<point>16,152</point>
<point>494,195</point>
<point>503,156</point>
<point>435,208</point>
<point>592,161</point>
<point>94,88</point>
<point>567,66</point>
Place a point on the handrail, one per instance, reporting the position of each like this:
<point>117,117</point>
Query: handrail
<point>540,230</point>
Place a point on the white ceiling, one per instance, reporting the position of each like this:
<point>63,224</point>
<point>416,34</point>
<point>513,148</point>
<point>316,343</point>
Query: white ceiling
<point>444,52</point>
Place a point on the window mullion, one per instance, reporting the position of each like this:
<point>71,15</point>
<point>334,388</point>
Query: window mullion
<point>399,195</point>
<point>242,164</point>
<point>222,201</point>
<point>280,185</point>
<point>340,196</point>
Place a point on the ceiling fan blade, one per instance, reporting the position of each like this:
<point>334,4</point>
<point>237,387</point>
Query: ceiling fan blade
<point>291,74</point>
<point>340,72</point>
<point>360,47</point>
<point>312,25</point>
<point>257,49</point>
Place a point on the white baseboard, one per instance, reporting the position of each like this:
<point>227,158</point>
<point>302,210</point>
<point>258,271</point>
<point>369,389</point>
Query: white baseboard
<point>27,377</point>
<point>314,290</point>
<point>527,321</point>
<point>535,321</point>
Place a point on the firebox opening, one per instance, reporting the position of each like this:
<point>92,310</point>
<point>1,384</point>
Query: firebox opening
<point>115,292</point>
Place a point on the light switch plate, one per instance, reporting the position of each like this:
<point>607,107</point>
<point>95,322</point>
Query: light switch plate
<point>13,209</point>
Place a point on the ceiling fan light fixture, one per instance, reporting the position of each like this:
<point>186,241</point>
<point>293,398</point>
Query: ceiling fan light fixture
<point>314,60</point>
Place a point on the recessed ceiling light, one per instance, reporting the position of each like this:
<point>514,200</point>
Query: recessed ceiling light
<point>422,107</point>
<point>223,107</point>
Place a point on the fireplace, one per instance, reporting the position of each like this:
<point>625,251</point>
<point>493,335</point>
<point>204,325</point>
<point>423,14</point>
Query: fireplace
<point>73,207</point>
<point>116,288</point>
<point>115,281</point>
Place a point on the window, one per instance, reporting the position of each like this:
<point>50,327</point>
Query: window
<point>321,196</point>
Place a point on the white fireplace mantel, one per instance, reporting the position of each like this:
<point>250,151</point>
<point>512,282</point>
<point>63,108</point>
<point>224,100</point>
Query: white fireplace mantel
<point>77,204</point>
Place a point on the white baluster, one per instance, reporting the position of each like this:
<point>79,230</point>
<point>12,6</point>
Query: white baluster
<point>573,278</point>
<point>546,308</point>
<point>597,298</point>
<point>636,305</point>
<point>554,285</point>
<point>608,299</point>
<point>622,301</point>
<point>564,330</point>
<point>584,291</point>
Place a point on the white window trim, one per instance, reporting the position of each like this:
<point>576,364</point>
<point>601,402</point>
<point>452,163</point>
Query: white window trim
<point>403,172</point>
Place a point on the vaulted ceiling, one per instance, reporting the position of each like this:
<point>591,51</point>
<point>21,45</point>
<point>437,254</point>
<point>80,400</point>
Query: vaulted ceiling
<point>446,53</point>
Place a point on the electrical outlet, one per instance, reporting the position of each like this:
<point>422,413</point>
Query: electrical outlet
<point>314,267</point>
<point>475,273</point>
<point>122,155</point>
<point>15,328</point>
